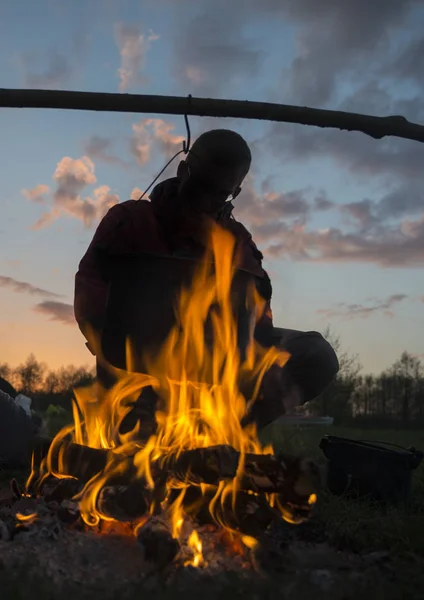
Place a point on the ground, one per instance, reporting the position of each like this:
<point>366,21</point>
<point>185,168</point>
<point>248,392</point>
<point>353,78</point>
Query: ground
<point>349,549</point>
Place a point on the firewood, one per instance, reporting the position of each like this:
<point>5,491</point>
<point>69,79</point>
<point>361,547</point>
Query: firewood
<point>57,490</point>
<point>123,503</point>
<point>81,462</point>
<point>262,473</point>
<point>250,515</point>
<point>294,480</point>
<point>158,545</point>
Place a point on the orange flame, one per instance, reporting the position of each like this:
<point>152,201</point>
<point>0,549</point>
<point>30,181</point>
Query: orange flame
<point>195,546</point>
<point>27,519</point>
<point>199,387</point>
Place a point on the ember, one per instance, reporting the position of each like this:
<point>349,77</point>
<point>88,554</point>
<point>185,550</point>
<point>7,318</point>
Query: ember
<point>200,466</point>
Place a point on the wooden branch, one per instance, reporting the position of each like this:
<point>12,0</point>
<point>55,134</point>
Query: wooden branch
<point>376,127</point>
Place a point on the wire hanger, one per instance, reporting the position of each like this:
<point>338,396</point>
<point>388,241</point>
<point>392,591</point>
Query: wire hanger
<point>186,150</point>
<point>187,144</point>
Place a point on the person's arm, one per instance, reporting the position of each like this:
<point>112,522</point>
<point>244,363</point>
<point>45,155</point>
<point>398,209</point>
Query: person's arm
<point>112,235</point>
<point>264,288</point>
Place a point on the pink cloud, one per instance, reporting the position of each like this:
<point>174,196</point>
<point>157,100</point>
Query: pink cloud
<point>136,193</point>
<point>37,193</point>
<point>72,177</point>
<point>23,287</point>
<point>150,134</point>
<point>400,245</point>
<point>56,311</point>
<point>133,46</point>
<point>362,311</point>
<point>99,148</point>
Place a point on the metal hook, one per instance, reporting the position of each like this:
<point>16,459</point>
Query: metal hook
<point>186,144</point>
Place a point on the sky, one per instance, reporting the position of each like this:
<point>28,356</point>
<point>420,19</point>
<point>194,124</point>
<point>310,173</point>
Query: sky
<point>338,215</point>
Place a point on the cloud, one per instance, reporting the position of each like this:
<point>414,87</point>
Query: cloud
<point>72,177</point>
<point>136,193</point>
<point>370,231</point>
<point>360,212</point>
<point>212,50</point>
<point>22,287</point>
<point>387,232</point>
<point>37,193</point>
<point>335,42</point>
<point>56,311</point>
<point>408,64</point>
<point>56,73</point>
<point>58,66</point>
<point>154,134</point>
<point>362,311</point>
<point>336,39</point>
<point>405,200</point>
<point>399,245</point>
<point>267,212</point>
<point>390,158</point>
<point>133,46</point>
<point>98,148</point>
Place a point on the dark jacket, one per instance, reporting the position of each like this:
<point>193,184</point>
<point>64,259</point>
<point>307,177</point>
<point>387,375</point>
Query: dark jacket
<point>156,227</point>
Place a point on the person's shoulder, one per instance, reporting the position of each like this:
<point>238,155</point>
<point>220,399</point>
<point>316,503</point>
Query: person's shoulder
<point>239,230</point>
<point>129,209</point>
<point>133,206</point>
<point>244,237</point>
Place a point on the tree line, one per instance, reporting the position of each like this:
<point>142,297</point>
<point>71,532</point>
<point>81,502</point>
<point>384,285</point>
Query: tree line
<point>395,396</point>
<point>47,386</point>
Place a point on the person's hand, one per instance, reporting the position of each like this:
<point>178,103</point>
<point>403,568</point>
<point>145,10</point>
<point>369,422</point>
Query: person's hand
<point>277,396</point>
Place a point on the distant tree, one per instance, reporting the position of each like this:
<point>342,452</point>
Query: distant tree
<point>52,383</point>
<point>30,375</point>
<point>407,372</point>
<point>335,399</point>
<point>5,370</point>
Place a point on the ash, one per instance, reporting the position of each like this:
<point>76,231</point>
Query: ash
<point>40,525</point>
<point>47,537</point>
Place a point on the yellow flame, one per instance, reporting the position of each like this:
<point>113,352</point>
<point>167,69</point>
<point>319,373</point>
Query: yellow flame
<point>198,383</point>
<point>28,519</point>
<point>312,499</point>
<point>249,541</point>
<point>195,545</point>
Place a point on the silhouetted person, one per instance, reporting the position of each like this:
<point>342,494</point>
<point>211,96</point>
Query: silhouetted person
<point>171,224</point>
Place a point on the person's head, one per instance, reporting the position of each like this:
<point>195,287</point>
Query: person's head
<point>214,170</point>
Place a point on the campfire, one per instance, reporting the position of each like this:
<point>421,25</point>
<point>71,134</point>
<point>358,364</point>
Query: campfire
<point>200,478</point>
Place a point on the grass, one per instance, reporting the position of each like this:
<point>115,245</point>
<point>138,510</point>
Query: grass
<point>350,525</point>
<point>354,524</point>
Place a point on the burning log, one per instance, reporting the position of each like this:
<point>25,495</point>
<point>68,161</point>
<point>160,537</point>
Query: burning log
<point>80,462</point>
<point>294,482</point>
<point>250,514</point>
<point>123,503</point>
<point>157,543</point>
<point>261,473</point>
<point>288,476</point>
<point>54,490</point>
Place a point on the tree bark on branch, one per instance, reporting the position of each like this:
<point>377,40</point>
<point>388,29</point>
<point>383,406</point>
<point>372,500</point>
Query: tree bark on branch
<point>375,127</point>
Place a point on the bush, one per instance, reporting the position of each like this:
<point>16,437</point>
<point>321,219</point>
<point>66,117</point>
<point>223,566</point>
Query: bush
<point>56,417</point>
